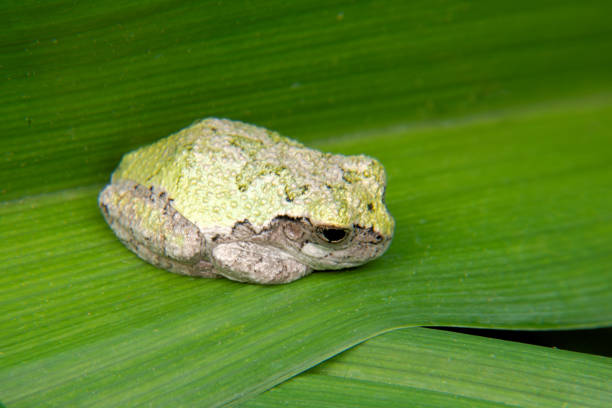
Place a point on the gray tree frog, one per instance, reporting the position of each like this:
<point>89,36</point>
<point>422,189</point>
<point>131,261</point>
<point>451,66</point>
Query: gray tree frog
<point>225,198</point>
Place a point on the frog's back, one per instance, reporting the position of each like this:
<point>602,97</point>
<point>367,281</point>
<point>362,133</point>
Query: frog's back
<point>219,172</point>
<point>216,171</point>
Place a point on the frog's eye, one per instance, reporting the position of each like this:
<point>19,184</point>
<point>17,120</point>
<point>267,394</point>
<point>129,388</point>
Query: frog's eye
<point>332,235</point>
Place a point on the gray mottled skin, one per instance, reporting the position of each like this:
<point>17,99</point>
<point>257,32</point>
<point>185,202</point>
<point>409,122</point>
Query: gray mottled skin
<point>289,245</point>
<point>244,255</point>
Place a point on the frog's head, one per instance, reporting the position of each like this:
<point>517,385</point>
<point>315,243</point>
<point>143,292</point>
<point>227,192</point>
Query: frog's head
<point>344,221</point>
<point>326,246</point>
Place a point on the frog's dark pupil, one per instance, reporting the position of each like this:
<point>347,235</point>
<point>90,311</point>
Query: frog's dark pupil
<point>334,234</point>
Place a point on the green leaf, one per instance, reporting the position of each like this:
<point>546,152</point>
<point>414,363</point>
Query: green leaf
<point>504,224</point>
<point>429,368</point>
<point>493,124</point>
<point>85,83</point>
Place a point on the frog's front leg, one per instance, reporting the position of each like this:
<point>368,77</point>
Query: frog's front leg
<point>245,261</point>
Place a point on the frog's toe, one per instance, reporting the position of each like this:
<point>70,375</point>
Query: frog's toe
<point>251,262</point>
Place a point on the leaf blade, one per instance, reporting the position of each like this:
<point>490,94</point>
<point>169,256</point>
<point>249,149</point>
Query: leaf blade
<point>423,367</point>
<point>88,329</point>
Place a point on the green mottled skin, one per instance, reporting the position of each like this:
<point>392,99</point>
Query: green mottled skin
<point>219,172</point>
<point>224,198</point>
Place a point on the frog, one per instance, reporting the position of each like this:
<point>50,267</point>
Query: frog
<point>223,198</point>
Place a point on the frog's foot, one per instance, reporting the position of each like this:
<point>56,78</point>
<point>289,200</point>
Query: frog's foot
<point>251,262</point>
